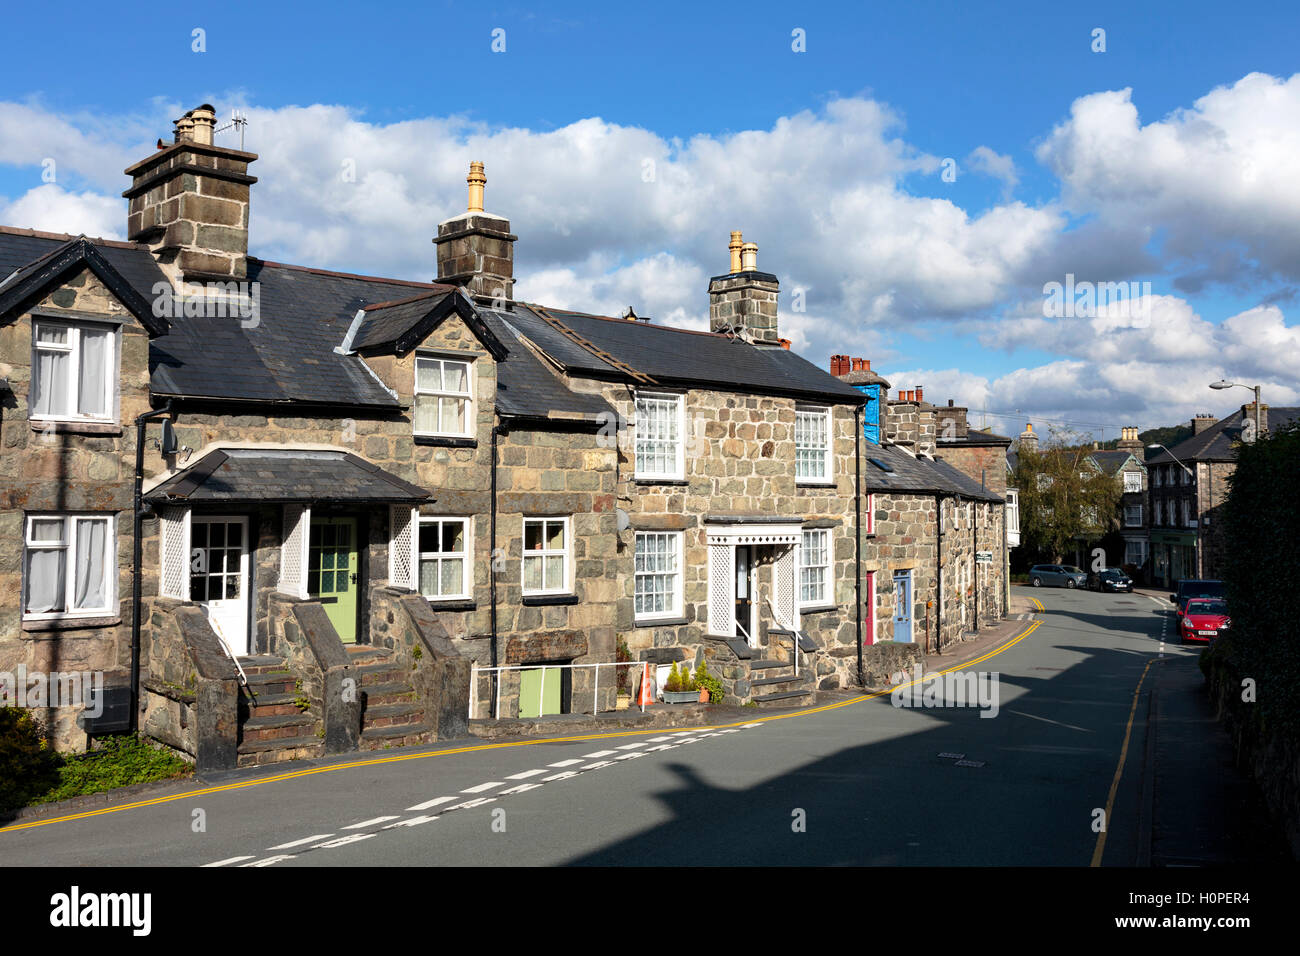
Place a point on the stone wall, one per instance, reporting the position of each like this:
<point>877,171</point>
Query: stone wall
<point>68,468</point>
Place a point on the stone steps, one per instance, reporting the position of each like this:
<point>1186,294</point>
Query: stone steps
<point>277,750</point>
<point>272,727</point>
<point>391,716</point>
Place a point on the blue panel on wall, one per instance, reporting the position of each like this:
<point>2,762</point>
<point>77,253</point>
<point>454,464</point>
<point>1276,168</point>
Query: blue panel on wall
<point>871,413</point>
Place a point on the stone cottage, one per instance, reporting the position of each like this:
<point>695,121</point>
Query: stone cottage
<point>291,511</point>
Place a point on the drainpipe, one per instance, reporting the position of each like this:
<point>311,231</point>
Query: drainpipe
<point>138,511</point>
<point>857,531</point>
<point>938,574</point>
<point>497,429</point>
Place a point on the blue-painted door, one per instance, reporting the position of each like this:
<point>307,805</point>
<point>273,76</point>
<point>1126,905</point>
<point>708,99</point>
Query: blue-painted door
<point>903,607</point>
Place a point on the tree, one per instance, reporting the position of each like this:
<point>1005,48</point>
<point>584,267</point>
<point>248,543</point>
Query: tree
<point>1063,495</point>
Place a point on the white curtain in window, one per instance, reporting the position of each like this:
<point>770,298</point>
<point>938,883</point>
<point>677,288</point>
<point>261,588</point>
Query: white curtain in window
<point>90,590</point>
<point>96,347</point>
<point>50,385</point>
<point>45,581</point>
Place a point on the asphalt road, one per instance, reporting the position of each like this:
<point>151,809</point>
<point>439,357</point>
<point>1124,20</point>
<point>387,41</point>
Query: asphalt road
<point>865,782</point>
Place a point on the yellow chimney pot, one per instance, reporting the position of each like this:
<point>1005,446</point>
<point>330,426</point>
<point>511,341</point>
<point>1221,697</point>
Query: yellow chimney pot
<point>736,244</point>
<point>477,180</point>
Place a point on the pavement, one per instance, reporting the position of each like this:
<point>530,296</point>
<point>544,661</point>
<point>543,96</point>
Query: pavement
<point>1095,754</point>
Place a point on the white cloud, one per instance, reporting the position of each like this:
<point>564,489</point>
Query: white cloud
<point>52,209</point>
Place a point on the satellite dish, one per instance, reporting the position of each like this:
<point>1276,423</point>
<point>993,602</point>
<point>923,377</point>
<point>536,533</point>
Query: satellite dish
<point>167,444</point>
<point>623,520</point>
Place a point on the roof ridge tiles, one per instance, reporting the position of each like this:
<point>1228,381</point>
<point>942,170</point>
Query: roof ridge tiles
<point>67,236</point>
<point>354,275</point>
<point>395,302</point>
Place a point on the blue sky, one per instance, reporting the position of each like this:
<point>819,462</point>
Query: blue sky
<point>682,81</point>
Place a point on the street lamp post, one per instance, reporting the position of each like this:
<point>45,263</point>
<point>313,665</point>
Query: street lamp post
<point>1223,383</point>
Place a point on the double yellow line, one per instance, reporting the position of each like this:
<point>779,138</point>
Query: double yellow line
<point>353,764</point>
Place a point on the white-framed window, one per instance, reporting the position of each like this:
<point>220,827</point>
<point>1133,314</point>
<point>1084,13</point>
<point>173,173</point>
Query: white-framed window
<point>815,568</point>
<point>812,444</point>
<point>1132,481</point>
<point>74,372</point>
<point>658,579</point>
<point>1135,552</point>
<point>444,397</point>
<point>1132,515</point>
<point>69,566</point>
<point>660,436</point>
<point>1013,511</point>
<point>546,556</point>
<point>869,516</point>
<point>443,553</point>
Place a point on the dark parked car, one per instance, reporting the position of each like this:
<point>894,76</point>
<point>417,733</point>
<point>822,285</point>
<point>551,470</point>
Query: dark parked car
<point>1109,579</point>
<point>1057,576</point>
<point>1189,588</point>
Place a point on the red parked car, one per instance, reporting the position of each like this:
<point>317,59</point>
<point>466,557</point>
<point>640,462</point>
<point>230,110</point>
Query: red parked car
<point>1203,619</point>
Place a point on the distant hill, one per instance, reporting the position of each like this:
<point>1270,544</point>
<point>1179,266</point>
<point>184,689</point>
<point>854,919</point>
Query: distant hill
<point>1169,436</point>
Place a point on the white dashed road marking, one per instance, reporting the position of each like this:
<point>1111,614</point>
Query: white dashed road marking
<point>343,841</point>
<point>562,775</point>
<point>490,785</point>
<point>526,774</point>
<point>289,846</point>
<point>598,753</point>
<point>598,764</point>
<point>369,823</point>
<point>429,803</point>
<point>271,860</point>
<point>411,822</point>
<point>639,743</point>
<point>564,763</point>
<point>228,861</point>
<point>522,788</point>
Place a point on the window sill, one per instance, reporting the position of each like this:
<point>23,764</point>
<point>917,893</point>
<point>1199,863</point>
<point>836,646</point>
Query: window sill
<point>110,429</point>
<point>548,600</point>
<point>642,480</point>
<point>71,623</point>
<point>818,609</point>
<point>441,441</point>
<point>452,604</point>
<point>661,622</point>
<point>814,484</point>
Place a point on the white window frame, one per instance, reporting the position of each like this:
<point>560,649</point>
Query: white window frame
<point>68,545</point>
<point>1141,548</point>
<point>824,412</point>
<point>678,470</point>
<point>567,553</point>
<point>75,351</point>
<point>1127,510</point>
<point>1136,482</point>
<point>677,576</point>
<point>827,583</point>
<point>466,584</point>
<point>870,524</point>
<point>471,416</point>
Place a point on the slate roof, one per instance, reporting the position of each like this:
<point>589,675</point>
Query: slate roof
<point>975,436</point>
<point>1216,442</point>
<point>1110,461</point>
<point>279,475</point>
<point>527,388</point>
<point>681,357</point>
<point>917,475</point>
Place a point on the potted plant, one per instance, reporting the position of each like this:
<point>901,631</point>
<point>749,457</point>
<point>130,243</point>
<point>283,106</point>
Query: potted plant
<point>710,687</point>
<point>623,676</point>
<point>679,688</point>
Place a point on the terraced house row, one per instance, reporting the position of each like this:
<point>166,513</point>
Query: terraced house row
<point>291,511</point>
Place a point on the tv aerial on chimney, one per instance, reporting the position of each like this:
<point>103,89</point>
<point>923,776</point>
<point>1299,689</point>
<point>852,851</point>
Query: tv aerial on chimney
<point>237,120</point>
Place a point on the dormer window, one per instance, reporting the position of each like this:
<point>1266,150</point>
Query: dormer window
<point>74,372</point>
<point>444,397</point>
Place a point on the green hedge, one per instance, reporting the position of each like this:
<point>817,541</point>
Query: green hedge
<point>1261,527</point>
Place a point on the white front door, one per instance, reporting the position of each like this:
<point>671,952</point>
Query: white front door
<point>219,575</point>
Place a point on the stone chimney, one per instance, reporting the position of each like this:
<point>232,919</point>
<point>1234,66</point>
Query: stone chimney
<point>189,202</point>
<point>476,249</point>
<point>744,300</point>
<point>1248,412</point>
<point>1129,442</point>
<point>1028,440</point>
<point>911,422</point>
<point>951,422</point>
<point>1204,420</point>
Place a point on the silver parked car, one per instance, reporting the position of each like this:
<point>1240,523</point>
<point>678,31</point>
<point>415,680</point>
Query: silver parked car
<point>1057,576</point>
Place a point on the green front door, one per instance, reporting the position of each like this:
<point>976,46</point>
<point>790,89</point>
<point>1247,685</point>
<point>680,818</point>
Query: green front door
<point>332,572</point>
<point>539,686</point>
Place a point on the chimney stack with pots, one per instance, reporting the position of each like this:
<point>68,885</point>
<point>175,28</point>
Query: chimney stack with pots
<point>1028,440</point>
<point>189,202</point>
<point>744,301</point>
<point>476,249</point>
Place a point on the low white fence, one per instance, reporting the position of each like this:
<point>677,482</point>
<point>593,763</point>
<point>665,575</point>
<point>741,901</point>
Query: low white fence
<point>476,671</point>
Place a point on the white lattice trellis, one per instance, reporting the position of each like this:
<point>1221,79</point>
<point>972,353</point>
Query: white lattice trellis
<point>293,551</point>
<point>722,590</point>
<point>784,571</point>
<point>402,565</point>
<point>175,547</point>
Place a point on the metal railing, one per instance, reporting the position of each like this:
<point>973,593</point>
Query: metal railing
<point>476,670</point>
